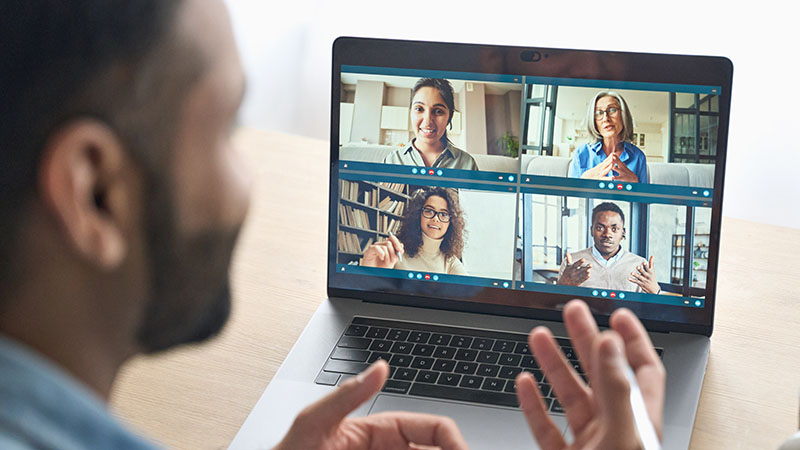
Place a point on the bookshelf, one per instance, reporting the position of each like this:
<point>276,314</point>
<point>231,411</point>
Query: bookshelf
<point>699,259</point>
<point>367,212</point>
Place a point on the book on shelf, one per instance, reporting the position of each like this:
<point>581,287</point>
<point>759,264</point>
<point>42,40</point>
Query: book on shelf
<point>396,187</point>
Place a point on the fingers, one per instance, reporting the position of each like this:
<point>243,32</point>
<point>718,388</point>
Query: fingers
<point>396,245</point>
<point>570,390</point>
<point>400,429</point>
<point>569,259</point>
<point>582,330</point>
<point>644,361</point>
<point>652,262</point>
<point>547,434</point>
<point>612,389</point>
<point>329,411</point>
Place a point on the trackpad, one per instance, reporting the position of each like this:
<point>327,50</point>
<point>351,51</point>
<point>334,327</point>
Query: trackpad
<point>484,427</point>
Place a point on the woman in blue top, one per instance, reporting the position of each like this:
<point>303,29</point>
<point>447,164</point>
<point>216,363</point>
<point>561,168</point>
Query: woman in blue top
<point>612,156</point>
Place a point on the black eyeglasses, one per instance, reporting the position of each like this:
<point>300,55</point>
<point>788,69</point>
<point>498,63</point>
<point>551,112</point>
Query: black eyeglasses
<point>429,213</point>
<point>599,113</point>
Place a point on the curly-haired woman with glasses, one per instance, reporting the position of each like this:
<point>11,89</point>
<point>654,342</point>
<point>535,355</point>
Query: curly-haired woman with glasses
<point>612,156</point>
<point>431,237</point>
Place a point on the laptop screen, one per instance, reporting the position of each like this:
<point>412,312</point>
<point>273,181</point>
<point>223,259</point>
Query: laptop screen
<point>513,191</point>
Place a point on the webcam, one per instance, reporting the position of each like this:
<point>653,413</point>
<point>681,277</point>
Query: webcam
<point>531,56</point>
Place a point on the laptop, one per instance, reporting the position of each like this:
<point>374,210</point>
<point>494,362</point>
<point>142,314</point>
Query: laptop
<point>499,228</point>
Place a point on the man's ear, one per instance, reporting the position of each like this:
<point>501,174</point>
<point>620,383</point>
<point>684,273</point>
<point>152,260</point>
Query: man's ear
<point>85,188</point>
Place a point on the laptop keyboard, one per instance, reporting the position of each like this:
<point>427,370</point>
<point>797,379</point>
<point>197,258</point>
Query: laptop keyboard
<point>451,363</point>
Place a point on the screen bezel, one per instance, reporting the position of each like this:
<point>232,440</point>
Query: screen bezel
<point>540,62</point>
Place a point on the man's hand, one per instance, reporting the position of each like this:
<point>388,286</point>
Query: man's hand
<point>575,273</point>
<point>600,171</point>
<point>383,254</point>
<point>325,426</point>
<point>599,416</point>
<point>645,277</point>
<point>625,174</point>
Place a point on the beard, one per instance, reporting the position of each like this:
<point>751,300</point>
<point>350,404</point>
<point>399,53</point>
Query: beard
<point>191,298</point>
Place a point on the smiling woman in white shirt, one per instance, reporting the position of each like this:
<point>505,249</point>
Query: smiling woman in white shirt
<point>430,239</point>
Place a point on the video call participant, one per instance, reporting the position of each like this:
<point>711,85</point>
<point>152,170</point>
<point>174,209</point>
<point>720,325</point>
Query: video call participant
<point>606,264</point>
<point>612,156</point>
<point>431,236</point>
<point>432,109</point>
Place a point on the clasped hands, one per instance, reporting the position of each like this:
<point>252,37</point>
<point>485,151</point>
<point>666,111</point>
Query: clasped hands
<point>599,415</point>
<point>603,170</point>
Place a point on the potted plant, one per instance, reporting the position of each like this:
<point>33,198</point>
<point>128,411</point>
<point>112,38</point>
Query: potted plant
<point>510,144</point>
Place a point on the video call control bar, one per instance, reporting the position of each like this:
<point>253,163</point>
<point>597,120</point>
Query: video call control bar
<point>527,184</point>
<point>607,294</point>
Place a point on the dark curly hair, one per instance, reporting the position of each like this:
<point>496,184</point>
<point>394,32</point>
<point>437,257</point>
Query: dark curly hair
<point>410,233</point>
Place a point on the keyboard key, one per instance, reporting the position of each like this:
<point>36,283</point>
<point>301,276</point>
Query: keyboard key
<point>401,360</point>
<point>327,378</point>
<point>440,339</point>
<point>444,365</point>
<point>503,346</point>
<point>405,374</point>
<point>379,355</point>
<point>467,368</point>
<point>471,381</point>
<point>493,384</point>
<point>356,330</point>
<point>528,362</point>
<point>522,348</point>
<point>349,354</point>
<point>511,387</point>
<point>570,353</point>
<point>423,350</point>
<point>509,372</point>
<point>377,332</point>
<point>466,354</point>
<point>464,395</point>
<point>488,370</point>
<point>544,388</point>
<point>488,357</point>
<point>509,359</point>
<point>426,376</point>
<point>403,348</point>
<point>461,341</point>
<point>397,335</point>
<point>419,337</point>
<point>354,342</point>
<point>422,363</point>
<point>396,387</point>
<point>556,407</point>
<point>482,344</point>
<point>445,352</point>
<point>349,367</point>
<point>449,379</point>
<point>379,345</point>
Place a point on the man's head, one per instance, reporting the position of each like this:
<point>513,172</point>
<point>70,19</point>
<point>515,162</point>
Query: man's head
<point>122,197</point>
<point>608,228</point>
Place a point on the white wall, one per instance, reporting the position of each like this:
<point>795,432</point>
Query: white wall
<point>287,54</point>
<point>489,247</point>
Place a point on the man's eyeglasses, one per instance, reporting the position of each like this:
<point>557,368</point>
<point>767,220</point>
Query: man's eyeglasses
<point>612,112</point>
<point>429,213</point>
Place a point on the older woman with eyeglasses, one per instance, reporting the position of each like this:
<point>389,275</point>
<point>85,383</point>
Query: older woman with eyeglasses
<point>612,155</point>
<point>430,239</point>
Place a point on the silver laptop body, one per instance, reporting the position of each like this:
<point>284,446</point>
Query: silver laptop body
<point>523,212</point>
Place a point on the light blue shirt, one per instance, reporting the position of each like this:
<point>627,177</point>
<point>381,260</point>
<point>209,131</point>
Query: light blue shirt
<point>590,155</point>
<point>610,261</point>
<point>42,407</point>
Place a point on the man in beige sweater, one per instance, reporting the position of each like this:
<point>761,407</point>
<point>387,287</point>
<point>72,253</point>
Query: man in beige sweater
<point>606,264</point>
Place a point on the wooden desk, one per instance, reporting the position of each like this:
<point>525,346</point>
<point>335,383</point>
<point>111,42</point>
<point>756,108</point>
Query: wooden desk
<point>198,397</point>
